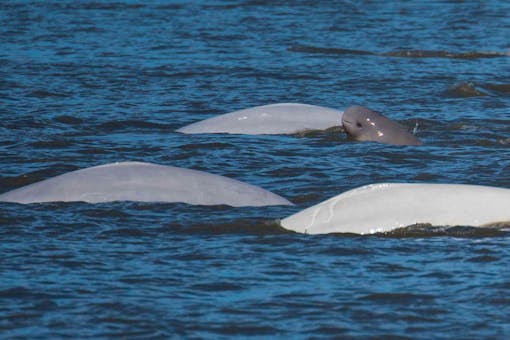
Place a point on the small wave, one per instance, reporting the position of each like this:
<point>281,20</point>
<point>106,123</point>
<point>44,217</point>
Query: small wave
<point>123,233</point>
<point>52,144</point>
<point>326,50</point>
<point>69,120</point>
<point>100,6</point>
<point>51,37</point>
<point>442,54</point>
<point>122,125</point>
<point>45,94</point>
<point>243,328</point>
<point>504,88</point>
<point>473,89</point>
<point>21,292</point>
<point>398,298</point>
<point>483,259</point>
<point>207,146</point>
<point>283,75</point>
<point>256,226</point>
<point>398,53</point>
<point>166,73</point>
<point>427,230</point>
<point>234,5</point>
<point>170,6</point>
<point>218,287</point>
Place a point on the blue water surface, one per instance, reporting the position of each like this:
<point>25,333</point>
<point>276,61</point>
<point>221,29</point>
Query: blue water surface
<point>84,83</point>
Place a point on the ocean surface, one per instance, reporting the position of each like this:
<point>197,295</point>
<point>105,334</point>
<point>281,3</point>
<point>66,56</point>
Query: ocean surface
<point>85,83</point>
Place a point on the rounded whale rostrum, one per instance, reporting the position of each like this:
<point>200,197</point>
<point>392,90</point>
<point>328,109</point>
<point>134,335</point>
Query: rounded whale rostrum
<point>364,124</point>
<point>144,182</point>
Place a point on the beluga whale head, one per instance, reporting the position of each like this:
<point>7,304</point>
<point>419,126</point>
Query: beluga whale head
<point>364,124</point>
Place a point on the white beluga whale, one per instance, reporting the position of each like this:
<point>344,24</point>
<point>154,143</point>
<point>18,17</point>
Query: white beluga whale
<point>385,207</point>
<point>359,122</point>
<point>143,182</point>
<point>281,118</point>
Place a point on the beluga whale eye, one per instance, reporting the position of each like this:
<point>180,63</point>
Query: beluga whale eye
<point>358,124</point>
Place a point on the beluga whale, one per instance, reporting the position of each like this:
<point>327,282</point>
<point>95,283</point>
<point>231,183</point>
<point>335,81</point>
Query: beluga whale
<point>383,207</point>
<point>359,122</point>
<point>144,182</point>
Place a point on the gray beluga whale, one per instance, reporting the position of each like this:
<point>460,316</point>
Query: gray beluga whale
<point>385,206</point>
<point>144,182</point>
<point>364,124</point>
<point>281,118</point>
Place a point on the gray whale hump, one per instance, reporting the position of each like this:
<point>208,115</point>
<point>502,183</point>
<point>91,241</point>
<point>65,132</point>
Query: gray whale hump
<point>144,182</point>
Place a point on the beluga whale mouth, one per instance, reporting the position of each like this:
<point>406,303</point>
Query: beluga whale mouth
<point>364,124</point>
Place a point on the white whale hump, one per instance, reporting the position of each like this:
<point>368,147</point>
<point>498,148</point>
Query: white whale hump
<point>144,182</point>
<point>384,207</point>
<point>282,118</point>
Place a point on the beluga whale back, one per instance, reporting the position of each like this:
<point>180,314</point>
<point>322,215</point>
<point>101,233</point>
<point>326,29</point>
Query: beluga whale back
<point>384,207</point>
<point>144,182</point>
<point>281,118</point>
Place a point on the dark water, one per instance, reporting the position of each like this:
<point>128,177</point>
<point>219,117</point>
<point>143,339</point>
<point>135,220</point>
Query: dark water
<point>86,83</point>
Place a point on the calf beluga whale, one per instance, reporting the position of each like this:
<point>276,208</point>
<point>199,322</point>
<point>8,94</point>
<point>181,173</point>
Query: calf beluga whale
<point>359,122</point>
<point>387,206</point>
<point>143,182</point>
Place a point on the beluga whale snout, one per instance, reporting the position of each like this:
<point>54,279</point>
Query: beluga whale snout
<point>364,124</point>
